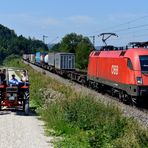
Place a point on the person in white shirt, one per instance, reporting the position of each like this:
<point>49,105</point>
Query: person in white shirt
<point>24,76</point>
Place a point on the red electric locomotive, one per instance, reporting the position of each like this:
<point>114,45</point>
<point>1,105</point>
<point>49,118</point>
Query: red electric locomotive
<point>123,72</point>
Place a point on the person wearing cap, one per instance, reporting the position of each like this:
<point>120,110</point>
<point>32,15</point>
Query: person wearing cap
<point>13,80</point>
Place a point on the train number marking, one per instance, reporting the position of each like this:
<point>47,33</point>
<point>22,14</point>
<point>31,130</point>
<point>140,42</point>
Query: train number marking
<point>114,69</point>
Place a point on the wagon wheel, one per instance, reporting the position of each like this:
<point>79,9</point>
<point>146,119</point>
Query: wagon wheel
<point>134,101</point>
<point>121,96</point>
<point>0,100</point>
<point>126,98</point>
<point>26,103</point>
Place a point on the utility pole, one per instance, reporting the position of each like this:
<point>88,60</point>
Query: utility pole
<point>44,36</point>
<point>93,38</point>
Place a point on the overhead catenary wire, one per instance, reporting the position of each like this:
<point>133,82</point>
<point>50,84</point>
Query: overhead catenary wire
<point>119,25</point>
<point>129,30</point>
<point>53,40</point>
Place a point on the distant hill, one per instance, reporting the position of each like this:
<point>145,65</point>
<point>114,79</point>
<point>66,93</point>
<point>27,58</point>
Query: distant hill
<point>50,46</point>
<point>10,44</point>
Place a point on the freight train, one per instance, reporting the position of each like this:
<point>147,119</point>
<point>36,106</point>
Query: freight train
<point>121,71</point>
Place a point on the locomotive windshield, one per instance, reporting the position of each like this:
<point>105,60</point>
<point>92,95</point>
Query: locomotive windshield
<point>144,63</point>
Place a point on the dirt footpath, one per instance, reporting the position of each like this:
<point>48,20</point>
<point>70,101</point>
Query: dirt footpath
<point>19,131</point>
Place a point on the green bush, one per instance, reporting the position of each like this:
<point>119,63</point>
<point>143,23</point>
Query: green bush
<point>87,113</point>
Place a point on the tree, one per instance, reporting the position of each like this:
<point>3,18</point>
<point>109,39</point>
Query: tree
<point>79,45</point>
<point>70,42</point>
<point>82,53</point>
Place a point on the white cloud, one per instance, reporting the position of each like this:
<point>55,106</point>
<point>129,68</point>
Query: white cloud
<point>123,17</point>
<point>48,21</point>
<point>81,19</point>
<point>28,19</point>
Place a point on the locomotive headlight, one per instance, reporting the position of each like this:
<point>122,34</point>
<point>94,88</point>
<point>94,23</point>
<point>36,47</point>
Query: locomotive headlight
<point>139,80</point>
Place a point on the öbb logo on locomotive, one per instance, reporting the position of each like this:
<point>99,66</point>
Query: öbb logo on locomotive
<point>114,69</point>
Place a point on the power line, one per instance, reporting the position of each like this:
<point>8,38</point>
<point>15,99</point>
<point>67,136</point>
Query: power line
<point>129,22</point>
<point>131,31</point>
<point>129,28</point>
<point>126,23</point>
<point>53,40</point>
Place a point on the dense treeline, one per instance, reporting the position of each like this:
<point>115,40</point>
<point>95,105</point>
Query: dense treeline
<point>77,44</point>
<point>10,44</point>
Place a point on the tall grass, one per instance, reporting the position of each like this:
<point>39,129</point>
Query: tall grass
<point>99,125</point>
<point>80,120</point>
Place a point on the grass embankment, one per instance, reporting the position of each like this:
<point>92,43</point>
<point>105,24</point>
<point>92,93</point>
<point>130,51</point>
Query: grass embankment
<point>80,120</point>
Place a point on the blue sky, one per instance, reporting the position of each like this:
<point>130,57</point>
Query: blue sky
<point>56,18</point>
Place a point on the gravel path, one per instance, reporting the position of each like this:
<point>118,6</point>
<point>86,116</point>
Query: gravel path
<point>19,131</point>
<point>128,111</point>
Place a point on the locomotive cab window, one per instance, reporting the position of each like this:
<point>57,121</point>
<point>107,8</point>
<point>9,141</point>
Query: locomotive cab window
<point>144,63</point>
<point>129,64</point>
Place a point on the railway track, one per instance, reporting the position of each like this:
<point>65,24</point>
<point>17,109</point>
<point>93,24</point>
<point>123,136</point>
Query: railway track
<point>140,114</point>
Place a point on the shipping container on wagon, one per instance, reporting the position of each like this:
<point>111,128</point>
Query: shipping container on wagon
<point>32,58</point>
<point>51,59</point>
<point>46,59</point>
<point>25,56</point>
<point>39,57</point>
<point>65,61</point>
